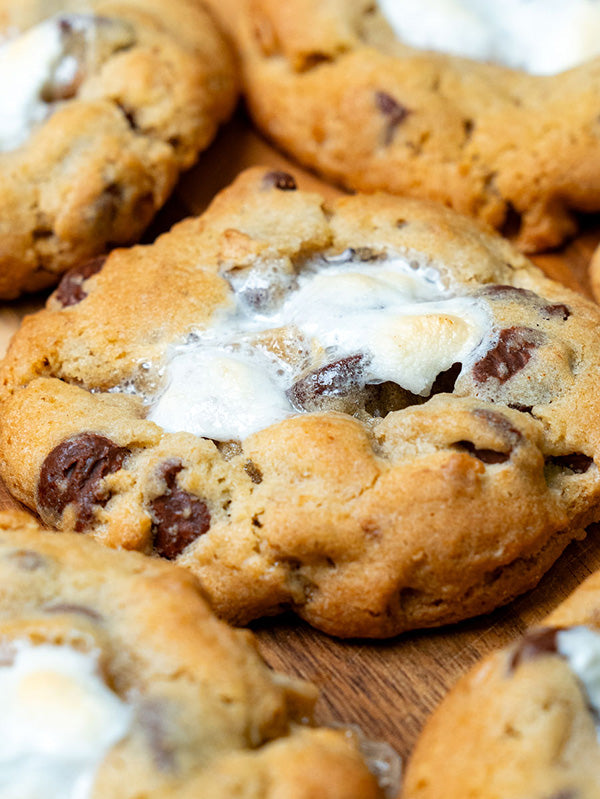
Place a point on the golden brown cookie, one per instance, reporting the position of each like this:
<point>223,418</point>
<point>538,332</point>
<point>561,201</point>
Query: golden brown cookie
<point>331,83</point>
<point>371,411</point>
<point>103,104</point>
<point>526,721</point>
<point>118,681</point>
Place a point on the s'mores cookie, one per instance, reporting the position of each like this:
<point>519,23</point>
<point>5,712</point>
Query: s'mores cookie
<point>490,108</point>
<point>371,411</point>
<point>118,681</point>
<point>526,721</point>
<point>103,103</point>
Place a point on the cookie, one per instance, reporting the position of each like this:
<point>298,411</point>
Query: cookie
<point>118,681</point>
<point>526,721</point>
<point>104,103</point>
<point>371,411</point>
<point>348,88</point>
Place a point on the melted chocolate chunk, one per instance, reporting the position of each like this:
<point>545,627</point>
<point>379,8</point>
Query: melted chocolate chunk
<point>73,474</point>
<point>26,559</point>
<point>534,644</point>
<point>66,607</point>
<point>504,292</point>
<point>393,110</point>
<point>560,310</point>
<point>484,455</point>
<point>499,423</point>
<point>70,290</point>
<point>253,472</point>
<point>333,380</point>
<point>516,406</point>
<point>179,518</point>
<point>279,180</point>
<point>576,462</point>
<point>509,356</point>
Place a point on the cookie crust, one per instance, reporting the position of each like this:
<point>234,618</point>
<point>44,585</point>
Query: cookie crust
<point>207,716</point>
<point>405,516</point>
<point>149,97</point>
<point>330,84</point>
<point>519,724</point>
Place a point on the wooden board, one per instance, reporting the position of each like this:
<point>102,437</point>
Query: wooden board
<point>387,688</point>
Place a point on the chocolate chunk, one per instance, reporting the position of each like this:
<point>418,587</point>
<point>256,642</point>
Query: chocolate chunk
<point>509,356</point>
<point>484,455</point>
<point>534,644</point>
<point>26,559</point>
<point>444,383</point>
<point>393,110</point>
<point>151,718</point>
<point>559,310</point>
<point>253,472</point>
<point>503,292</point>
<point>178,517</point>
<point>499,423</point>
<point>333,380</point>
<point>66,607</point>
<point>279,180</point>
<point>73,474</point>
<point>70,290</point>
<point>576,462</point>
<point>517,406</point>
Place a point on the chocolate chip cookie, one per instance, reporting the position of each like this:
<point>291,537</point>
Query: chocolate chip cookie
<point>118,681</point>
<point>359,91</point>
<point>525,721</point>
<point>371,411</point>
<point>103,104</point>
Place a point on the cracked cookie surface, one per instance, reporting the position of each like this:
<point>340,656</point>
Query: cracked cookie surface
<point>526,720</point>
<point>331,84</point>
<point>117,680</point>
<point>371,411</point>
<point>105,103</point>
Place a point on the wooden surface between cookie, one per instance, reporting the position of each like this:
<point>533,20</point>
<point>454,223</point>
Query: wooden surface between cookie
<point>387,688</point>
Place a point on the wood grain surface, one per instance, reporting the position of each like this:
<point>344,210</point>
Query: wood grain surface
<point>386,688</point>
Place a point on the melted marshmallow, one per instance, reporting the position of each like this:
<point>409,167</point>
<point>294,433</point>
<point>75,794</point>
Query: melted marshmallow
<point>232,381</point>
<point>543,37</point>
<point>581,648</point>
<point>58,722</point>
<point>26,64</point>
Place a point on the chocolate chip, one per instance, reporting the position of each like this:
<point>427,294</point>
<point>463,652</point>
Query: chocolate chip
<point>516,406</point>
<point>279,180</point>
<point>393,110</point>
<point>67,607</point>
<point>26,559</point>
<point>253,472</point>
<point>501,291</point>
<point>576,462</point>
<point>534,644</point>
<point>178,517</point>
<point>484,455</point>
<point>559,310</point>
<point>333,380</point>
<point>151,718</point>
<point>509,356</point>
<point>70,290</point>
<point>499,423</point>
<point>73,474</point>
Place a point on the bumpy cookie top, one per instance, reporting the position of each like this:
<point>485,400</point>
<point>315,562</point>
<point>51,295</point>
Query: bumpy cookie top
<point>324,406</point>
<point>351,88</point>
<point>526,721</point>
<point>117,681</point>
<point>104,103</point>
